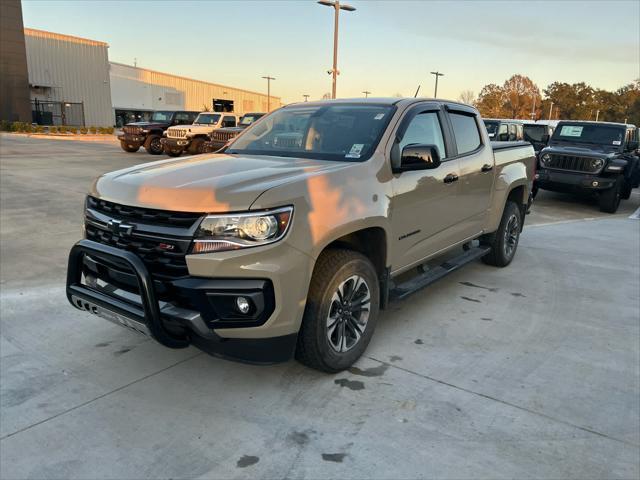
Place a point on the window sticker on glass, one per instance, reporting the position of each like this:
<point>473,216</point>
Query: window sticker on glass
<point>617,142</point>
<point>571,131</point>
<point>379,116</point>
<point>356,150</point>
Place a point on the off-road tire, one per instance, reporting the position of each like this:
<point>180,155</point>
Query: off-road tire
<point>625,193</point>
<point>501,255</point>
<point>153,145</point>
<point>609,199</point>
<point>332,268</point>
<point>129,148</point>
<point>196,146</point>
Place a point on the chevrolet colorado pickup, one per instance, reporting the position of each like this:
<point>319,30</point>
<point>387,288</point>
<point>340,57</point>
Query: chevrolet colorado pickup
<point>594,158</point>
<point>192,138</point>
<point>291,240</point>
<point>148,134</point>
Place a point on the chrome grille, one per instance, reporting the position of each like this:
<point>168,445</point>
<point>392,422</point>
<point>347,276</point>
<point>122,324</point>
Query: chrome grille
<point>177,133</point>
<point>132,130</point>
<point>574,163</point>
<point>223,136</point>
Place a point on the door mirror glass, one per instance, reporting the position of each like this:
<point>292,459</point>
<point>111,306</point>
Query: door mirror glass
<point>419,157</point>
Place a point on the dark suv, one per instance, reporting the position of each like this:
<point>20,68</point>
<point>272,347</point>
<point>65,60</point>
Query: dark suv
<point>592,157</point>
<point>220,137</point>
<point>503,130</point>
<point>148,134</point>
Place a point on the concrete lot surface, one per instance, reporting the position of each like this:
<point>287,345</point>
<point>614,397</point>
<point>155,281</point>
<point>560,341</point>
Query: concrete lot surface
<point>531,371</point>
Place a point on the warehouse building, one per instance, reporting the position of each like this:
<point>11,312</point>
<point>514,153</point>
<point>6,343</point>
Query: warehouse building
<point>136,92</point>
<point>71,82</point>
<point>68,79</point>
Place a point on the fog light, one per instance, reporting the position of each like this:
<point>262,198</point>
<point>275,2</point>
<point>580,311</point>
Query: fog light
<point>243,305</point>
<point>594,183</point>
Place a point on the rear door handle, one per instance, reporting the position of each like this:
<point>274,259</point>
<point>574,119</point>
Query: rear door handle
<point>486,167</point>
<point>452,177</point>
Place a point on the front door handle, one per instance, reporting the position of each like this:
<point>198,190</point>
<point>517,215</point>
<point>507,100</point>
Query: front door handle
<point>452,177</point>
<point>486,168</point>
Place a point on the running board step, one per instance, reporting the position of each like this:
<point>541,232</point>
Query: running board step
<point>402,290</point>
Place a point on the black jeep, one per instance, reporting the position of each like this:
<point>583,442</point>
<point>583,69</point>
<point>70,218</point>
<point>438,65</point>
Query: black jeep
<point>148,134</point>
<point>592,157</point>
<point>220,137</point>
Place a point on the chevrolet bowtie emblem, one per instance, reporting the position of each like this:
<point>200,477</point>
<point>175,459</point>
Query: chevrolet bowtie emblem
<point>119,228</point>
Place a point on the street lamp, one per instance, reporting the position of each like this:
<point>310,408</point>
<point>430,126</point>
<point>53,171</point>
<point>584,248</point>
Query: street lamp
<point>337,7</point>
<point>306,97</point>
<point>268,79</point>
<point>366,93</point>
<point>437,74</point>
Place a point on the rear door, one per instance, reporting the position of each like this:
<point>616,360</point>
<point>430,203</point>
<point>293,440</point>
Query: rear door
<point>476,165</point>
<point>420,208</point>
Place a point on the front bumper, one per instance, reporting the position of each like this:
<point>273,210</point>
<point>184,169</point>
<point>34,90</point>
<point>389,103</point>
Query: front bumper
<point>190,311</point>
<point>130,139</point>
<point>175,142</point>
<point>559,181</point>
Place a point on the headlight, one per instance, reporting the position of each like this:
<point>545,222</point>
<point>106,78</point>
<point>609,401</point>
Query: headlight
<point>596,163</point>
<point>545,159</point>
<point>145,130</point>
<point>218,233</point>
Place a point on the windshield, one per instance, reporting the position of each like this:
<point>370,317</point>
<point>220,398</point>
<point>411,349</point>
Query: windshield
<point>492,127</point>
<point>161,116</point>
<point>326,132</point>
<point>590,133</point>
<point>207,118</point>
<point>249,119</point>
<point>534,133</point>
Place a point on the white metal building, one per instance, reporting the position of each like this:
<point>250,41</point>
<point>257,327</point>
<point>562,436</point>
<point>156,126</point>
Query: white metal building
<point>70,70</point>
<point>141,89</point>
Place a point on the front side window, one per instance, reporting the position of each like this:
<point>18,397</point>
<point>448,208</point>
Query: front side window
<point>534,133</point>
<point>424,129</point>
<point>465,131</point>
<point>492,127</point>
<point>207,119</point>
<point>229,122</point>
<point>341,132</point>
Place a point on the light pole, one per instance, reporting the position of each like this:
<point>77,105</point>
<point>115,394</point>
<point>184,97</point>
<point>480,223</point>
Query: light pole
<point>306,97</point>
<point>337,7</point>
<point>366,93</point>
<point>437,74</point>
<point>550,110</point>
<point>268,79</point>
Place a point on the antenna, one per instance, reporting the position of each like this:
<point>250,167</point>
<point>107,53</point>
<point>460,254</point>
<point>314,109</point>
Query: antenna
<point>417,92</point>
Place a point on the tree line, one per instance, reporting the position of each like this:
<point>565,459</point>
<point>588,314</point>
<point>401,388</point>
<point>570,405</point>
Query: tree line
<point>520,98</point>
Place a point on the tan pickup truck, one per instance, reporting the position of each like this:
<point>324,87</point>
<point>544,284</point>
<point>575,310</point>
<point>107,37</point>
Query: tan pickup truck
<point>292,239</point>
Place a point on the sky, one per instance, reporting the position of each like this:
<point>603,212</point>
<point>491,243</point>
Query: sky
<point>386,47</point>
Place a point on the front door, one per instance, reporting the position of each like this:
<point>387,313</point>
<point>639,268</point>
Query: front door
<point>420,208</point>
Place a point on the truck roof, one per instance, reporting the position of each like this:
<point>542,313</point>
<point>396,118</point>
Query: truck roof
<point>381,101</point>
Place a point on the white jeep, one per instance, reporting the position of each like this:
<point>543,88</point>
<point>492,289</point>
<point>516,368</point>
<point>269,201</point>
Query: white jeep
<point>191,138</point>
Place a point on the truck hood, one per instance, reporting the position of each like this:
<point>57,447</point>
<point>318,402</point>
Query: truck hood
<point>206,183</point>
<point>194,128</point>
<point>583,149</point>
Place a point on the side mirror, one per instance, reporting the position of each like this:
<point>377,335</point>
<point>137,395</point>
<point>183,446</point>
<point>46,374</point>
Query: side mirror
<point>503,137</point>
<point>418,157</point>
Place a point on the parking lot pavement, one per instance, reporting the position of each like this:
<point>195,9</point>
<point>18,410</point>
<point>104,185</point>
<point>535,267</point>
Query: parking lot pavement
<point>527,371</point>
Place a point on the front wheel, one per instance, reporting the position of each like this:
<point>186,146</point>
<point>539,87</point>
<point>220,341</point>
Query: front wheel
<point>610,199</point>
<point>504,241</point>
<point>341,312</point>
<point>197,146</point>
<point>153,145</point>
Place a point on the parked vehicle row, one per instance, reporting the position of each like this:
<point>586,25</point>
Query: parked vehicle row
<point>292,240</point>
<point>177,132</point>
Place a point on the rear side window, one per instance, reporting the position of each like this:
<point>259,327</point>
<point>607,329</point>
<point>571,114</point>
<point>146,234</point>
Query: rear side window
<point>424,129</point>
<point>465,129</point>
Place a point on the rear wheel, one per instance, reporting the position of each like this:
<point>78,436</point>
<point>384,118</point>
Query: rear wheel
<point>153,145</point>
<point>341,312</point>
<point>128,147</point>
<point>610,199</point>
<point>504,241</point>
